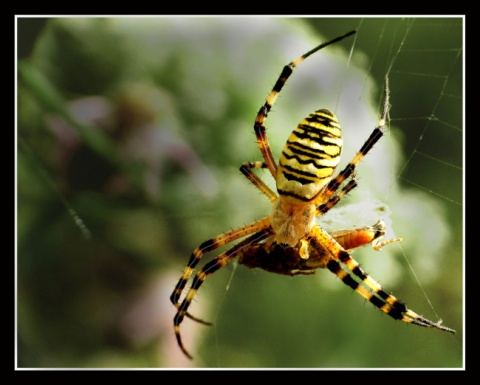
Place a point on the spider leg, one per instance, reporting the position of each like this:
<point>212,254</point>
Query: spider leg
<point>208,269</point>
<point>211,245</point>
<point>349,170</point>
<point>259,126</point>
<point>334,199</point>
<point>246,169</point>
<point>355,277</point>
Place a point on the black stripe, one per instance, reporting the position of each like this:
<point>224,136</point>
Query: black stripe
<point>311,152</point>
<point>334,266</point>
<point>298,179</point>
<point>343,256</point>
<point>349,281</point>
<point>374,137</point>
<point>183,307</point>
<point>299,197</point>
<point>325,120</point>
<point>205,247</point>
<point>325,111</point>
<point>395,312</point>
<point>297,153</point>
<point>358,271</point>
<point>379,303</point>
<point>259,128</point>
<point>323,208</point>
<point>311,134</point>
<point>384,295</point>
<point>299,172</point>
<point>303,161</point>
<point>208,245</point>
<point>344,174</point>
<point>286,72</point>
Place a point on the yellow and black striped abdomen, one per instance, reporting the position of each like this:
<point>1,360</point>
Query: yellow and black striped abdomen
<point>310,156</point>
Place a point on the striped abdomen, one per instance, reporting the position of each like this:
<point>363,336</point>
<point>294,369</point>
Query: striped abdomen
<point>310,156</point>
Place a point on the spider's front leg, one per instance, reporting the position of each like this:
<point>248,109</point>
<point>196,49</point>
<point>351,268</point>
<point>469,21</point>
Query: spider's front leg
<point>246,169</point>
<point>259,126</point>
<point>350,273</point>
<point>327,198</point>
<point>318,255</point>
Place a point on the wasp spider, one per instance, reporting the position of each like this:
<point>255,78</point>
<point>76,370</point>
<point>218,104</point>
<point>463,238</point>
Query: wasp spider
<point>289,241</point>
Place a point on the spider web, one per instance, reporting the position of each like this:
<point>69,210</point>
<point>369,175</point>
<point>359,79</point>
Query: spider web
<point>405,188</point>
<point>206,80</point>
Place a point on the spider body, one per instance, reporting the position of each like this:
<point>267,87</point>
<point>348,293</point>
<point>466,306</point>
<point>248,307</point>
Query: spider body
<point>290,241</point>
<point>280,258</point>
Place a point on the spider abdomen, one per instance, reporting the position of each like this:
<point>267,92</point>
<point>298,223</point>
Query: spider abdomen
<point>310,156</point>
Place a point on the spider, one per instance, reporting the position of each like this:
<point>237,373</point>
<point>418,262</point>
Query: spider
<point>289,241</point>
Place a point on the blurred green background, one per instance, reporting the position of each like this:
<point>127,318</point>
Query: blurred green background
<point>130,132</point>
